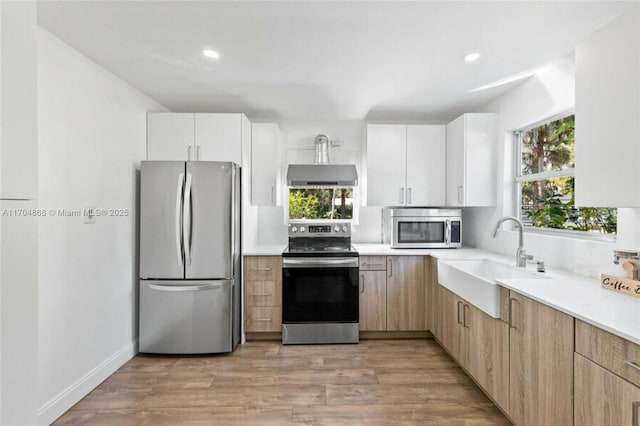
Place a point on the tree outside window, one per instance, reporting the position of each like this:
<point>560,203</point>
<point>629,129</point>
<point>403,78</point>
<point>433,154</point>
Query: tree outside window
<point>546,181</point>
<point>321,203</point>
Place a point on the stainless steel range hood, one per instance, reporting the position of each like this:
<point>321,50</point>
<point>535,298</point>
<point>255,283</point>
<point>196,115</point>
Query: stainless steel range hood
<point>322,174</point>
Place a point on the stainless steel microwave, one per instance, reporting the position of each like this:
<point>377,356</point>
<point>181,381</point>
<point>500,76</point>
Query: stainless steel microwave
<point>422,228</point>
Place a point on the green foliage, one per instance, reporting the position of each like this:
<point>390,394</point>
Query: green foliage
<point>320,203</point>
<point>550,203</point>
<point>302,206</point>
<point>553,212</point>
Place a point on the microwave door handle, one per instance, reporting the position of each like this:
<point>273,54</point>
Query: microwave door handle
<point>447,232</point>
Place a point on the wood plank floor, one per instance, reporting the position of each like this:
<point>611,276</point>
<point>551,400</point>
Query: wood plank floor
<point>395,382</point>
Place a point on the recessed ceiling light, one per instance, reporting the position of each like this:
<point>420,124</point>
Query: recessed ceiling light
<point>471,57</point>
<point>211,54</point>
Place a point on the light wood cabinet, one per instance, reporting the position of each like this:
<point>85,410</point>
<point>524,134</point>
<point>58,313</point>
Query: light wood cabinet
<point>602,398</point>
<point>607,72</point>
<point>451,331</point>
<point>471,164</point>
<point>405,165</point>
<point>392,293</point>
<point>266,164</point>
<point>541,363</point>
<point>612,352</point>
<point>405,293</point>
<point>487,353</point>
<point>373,300</point>
<point>478,342</point>
<point>262,294</point>
<point>194,137</point>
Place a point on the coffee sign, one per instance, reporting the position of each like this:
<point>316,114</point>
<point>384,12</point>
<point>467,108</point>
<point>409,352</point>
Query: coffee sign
<point>620,285</point>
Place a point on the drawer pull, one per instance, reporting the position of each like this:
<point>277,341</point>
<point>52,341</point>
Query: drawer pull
<point>632,365</point>
<point>262,269</point>
<point>263,319</point>
<point>261,294</point>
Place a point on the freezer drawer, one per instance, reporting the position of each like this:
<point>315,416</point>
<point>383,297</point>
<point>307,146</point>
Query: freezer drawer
<point>185,317</point>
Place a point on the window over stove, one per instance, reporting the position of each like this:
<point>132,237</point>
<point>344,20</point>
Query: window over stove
<point>325,203</point>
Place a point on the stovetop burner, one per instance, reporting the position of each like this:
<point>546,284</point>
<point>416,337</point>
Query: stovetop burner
<point>319,239</point>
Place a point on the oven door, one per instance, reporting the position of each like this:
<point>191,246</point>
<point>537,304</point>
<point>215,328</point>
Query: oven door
<point>421,232</point>
<point>320,290</point>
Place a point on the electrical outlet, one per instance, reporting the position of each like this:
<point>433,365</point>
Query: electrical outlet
<point>89,213</point>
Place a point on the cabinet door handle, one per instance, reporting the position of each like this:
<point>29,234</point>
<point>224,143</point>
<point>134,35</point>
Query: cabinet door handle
<point>189,153</point>
<point>401,195</point>
<point>273,197</point>
<point>511,299</point>
<point>263,319</point>
<point>409,196</point>
<point>390,267</point>
<point>362,283</point>
<point>262,269</point>
<point>632,364</point>
<point>459,320</point>
<point>634,414</point>
<point>460,194</point>
<point>197,152</point>
<point>464,316</point>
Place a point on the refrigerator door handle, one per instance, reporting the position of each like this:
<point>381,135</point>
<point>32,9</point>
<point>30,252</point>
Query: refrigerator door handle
<point>186,221</point>
<point>185,287</point>
<point>233,224</point>
<point>179,218</point>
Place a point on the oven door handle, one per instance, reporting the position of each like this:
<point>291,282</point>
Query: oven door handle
<point>320,262</point>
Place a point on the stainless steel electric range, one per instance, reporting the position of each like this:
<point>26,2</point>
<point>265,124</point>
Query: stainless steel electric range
<point>320,293</point>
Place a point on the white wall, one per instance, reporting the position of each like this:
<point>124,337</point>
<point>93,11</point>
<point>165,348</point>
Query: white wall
<point>18,240</point>
<point>298,148</point>
<point>92,129</point>
<point>546,94</point>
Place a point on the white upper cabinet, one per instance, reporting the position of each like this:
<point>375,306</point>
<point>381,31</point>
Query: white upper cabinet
<point>426,153</point>
<point>170,136</point>
<point>608,115</point>
<point>405,165</point>
<point>192,137</point>
<point>386,163</point>
<point>218,137</point>
<point>266,164</point>
<point>471,164</point>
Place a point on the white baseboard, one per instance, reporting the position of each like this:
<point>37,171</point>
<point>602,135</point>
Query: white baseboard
<point>66,399</point>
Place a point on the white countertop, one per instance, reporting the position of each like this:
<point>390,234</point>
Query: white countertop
<point>578,296</point>
<point>264,250</point>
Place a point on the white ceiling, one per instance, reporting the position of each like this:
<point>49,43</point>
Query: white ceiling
<point>320,59</point>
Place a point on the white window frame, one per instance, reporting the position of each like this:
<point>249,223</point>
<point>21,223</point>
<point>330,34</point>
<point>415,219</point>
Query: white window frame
<point>520,178</point>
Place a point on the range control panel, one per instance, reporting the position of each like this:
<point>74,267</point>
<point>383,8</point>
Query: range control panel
<point>304,229</point>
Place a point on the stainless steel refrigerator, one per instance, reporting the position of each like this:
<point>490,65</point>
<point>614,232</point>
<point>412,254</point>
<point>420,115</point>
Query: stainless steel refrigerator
<point>189,257</point>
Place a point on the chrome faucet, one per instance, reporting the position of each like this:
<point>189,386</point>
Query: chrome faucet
<point>521,255</point>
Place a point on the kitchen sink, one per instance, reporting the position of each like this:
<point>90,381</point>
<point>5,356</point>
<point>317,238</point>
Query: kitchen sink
<point>475,280</point>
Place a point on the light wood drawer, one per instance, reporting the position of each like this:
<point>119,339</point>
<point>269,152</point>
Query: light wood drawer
<point>262,268</point>
<point>373,263</point>
<point>612,352</point>
<point>262,293</point>
<point>266,318</point>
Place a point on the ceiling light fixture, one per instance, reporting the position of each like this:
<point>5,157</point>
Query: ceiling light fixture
<point>471,57</point>
<point>211,54</point>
